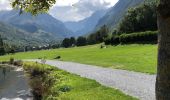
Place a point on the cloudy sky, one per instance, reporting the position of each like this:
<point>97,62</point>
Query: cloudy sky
<point>71,10</point>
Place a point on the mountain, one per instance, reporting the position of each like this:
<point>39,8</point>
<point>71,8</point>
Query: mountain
<point>115,14</point>
<point>42,25</point>
<point>14,36</point>
<point>86,25</point>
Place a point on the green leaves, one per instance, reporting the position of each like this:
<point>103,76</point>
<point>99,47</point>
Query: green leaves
<point>138,19</point>
<point>33,6</point>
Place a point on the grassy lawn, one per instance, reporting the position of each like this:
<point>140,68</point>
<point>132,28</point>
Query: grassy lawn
<point>140,58</point>
<point>68,86</point>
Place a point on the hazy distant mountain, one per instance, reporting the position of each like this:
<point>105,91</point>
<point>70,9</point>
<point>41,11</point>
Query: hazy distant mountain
<point>87,25</point>
<point>12,35</point>
<point>42,25</point>
<point>115,14</point>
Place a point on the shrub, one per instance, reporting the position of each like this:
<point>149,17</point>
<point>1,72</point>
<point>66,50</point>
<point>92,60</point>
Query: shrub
<point>141,37</point>
<point>11,60</point>
<point>40,81</point>
<point>107,41</point>
<point>5,62</point>
<point>18,63</point>
<point>81,41</point>
<point>114,40</point>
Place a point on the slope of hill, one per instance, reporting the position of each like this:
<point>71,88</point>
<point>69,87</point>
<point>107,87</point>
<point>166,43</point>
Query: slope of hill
<point>115,14</point>
<point>87,25</point>
<point>42,25</point>
<point>14,36</point>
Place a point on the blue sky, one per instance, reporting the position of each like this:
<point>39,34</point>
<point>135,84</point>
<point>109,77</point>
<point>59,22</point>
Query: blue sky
<point>71,10</point>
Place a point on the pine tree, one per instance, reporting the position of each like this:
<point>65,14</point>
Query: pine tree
<point>2,50</point>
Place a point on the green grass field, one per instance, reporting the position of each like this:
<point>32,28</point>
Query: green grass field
<point>78,88</point>
<point>140,58</point>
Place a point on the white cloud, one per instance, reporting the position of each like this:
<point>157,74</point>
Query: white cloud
<point>5,5</point>
<point>65,2</point>
<point>71,10</point>
<point>112,2</point>
<point>76,10</point>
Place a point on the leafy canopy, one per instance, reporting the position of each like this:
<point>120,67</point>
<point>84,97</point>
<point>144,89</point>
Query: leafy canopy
<point>33,6</point>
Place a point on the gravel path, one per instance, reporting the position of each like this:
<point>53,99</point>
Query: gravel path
<point>14,86</point>
<point>135,84</point>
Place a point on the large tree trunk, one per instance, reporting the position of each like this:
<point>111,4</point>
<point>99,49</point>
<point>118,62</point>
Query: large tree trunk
<point>163,74</point>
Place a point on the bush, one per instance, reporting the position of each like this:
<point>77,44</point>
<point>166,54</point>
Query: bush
<point>107,41</point>
<point>4,62</point>
<point>18,63</point>
<point>148,37</point>
<point>40,80</point>
<point>81,41</point>
<point>140,18</point>
<point>11,61</point>
<point>114,40</point>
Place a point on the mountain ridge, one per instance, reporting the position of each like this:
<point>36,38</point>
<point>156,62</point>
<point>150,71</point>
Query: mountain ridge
<point>41,29</point>
<point>86,25</point>
<point>35,24</point>
<point>115,13</point>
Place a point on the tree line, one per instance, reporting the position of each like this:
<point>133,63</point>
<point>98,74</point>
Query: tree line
<point>6,48</point>
<point>139,19</point>
<point>147,37</point>
<point>139,25</point>
<point>2,50</point>
<point>94,38</point>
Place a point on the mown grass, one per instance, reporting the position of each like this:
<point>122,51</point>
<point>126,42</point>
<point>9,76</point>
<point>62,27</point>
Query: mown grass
<point>68,86</point>
<point>140,58</point>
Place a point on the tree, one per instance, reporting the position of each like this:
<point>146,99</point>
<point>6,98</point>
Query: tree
<point>33,6</point>
<point>163,74</point>
<point>81,41</point>
<point>102,34</point>
<point>72,41</point>
<point>98,36</point>
<point>140,18</point>
<point>66,43</point>
<point>91,39</point>
<point>2,50</point>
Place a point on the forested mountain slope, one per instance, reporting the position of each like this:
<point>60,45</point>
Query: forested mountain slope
<point>115,14</point>
<point>40,24</point>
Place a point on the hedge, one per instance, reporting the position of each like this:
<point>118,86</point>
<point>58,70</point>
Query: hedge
<point>148,37</point>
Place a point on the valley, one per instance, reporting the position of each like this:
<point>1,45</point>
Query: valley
<point>82,50</point>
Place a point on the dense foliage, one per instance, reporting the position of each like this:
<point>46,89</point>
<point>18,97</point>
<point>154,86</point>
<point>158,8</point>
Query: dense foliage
<point>113,40</point>
<point>40,79</point>
<point>99,36</point>
<point>50,83</point>
<point>139,25</point>
<point>139,19</point>
<point>2,50</point>
<point>141,37</point>
<point>81,41</point>
<point>33,6</point>
<point>68,42</point>
<point>148,37</point>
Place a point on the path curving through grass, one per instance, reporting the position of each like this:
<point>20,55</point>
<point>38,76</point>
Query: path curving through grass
<point>136,84</point>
